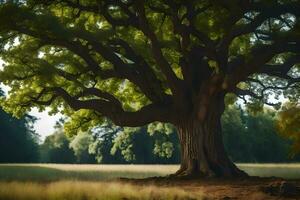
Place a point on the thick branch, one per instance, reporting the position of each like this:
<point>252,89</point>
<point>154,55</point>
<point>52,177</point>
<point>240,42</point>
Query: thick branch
<point>173,81</point>
<point>121,69</point>
<point>266,11</point>
<point>259,56</point>
<point>149,113</point>
<point>260,94</point>
<point>281,70</point>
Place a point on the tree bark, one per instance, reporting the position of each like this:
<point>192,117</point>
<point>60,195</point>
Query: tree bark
<point>202,149</point>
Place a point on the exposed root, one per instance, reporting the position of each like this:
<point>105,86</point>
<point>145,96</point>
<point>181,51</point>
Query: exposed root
<point>190,173</point>
<point>178,173</point>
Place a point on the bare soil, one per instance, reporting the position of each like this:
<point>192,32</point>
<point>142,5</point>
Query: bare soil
<point>251,188</point>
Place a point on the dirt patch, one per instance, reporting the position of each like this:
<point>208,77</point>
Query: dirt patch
<point>282,188</point>
<point>251,188</point>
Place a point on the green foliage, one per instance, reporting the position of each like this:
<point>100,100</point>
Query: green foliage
<point>18,141</point>
<point>166,141</point>
<point>73,60</point>
<point>123,142</point>
<point>37,66</point>
<point>36,63</point>
<point>164,149</point>
<point>288,125</point>
<point>111,145</point>
<point>253,138</point>
<point>247,137</point>
<point>103,142</point>
<point>55,149</point>
<point>148,144</point>
<point>80,145</point>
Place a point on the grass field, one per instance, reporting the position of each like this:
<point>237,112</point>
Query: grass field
<point>88,190</point>
<point>85,182</point>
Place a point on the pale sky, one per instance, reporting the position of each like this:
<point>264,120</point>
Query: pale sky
<point>45,124</point>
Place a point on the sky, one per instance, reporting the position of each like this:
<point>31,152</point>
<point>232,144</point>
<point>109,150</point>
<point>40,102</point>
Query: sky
<point>45,124</point>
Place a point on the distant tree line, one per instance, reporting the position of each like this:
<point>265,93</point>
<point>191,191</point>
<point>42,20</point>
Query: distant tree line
<point>247,138</point>
<point>254,138</point>
<point>18,141</point>
<point>111,145</point>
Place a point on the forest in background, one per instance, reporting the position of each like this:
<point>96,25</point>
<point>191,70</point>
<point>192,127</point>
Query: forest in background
<point>248,138</point>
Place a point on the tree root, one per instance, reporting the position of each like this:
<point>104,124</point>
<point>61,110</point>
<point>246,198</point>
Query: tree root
<point>189,173</point>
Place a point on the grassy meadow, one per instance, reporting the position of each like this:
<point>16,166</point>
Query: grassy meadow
<point>89,190</point>
<point>97,182</point>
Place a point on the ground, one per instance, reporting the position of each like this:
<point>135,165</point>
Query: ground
<point>85,182</point>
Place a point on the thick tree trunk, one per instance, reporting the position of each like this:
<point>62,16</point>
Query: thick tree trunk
<point>202,149</point>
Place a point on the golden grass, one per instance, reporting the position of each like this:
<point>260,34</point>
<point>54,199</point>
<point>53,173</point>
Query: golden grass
<point>80,190</point>
<point>163,169</point>
<point>270,165</point>
<point>97,182</point>
<point>282,170</point>
<point>58,172</point>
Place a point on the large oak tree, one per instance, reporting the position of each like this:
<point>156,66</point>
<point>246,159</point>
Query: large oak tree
<point>136,62</point>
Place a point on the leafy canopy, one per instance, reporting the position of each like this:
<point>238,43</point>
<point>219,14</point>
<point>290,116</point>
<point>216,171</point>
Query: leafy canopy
<point>137,62</point>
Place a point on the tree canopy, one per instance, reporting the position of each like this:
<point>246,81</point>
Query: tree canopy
<point>127,60</point>
<point>136,62</point>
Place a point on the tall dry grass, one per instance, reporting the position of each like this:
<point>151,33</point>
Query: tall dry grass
<point>79,190</point>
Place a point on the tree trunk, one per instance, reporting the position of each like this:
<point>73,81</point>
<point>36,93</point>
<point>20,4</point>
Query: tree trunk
<point>202,150</point>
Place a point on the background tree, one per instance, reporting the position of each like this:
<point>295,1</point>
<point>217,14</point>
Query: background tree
<point>55,148</point>
<point>248,138</point>
<point>101,148</point>
<point>80,145</point>
<point>113,145</point>
<point>156,143</point>
<point>288,125</point>
<point>18,141</point>
<point>137,62</point>
<point>254,138</point>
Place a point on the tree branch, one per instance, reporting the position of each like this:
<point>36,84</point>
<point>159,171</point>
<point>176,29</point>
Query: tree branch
<point>149,113</point>
<point>173,81</point>
<point>281,70</point>
<point>121,69</point>
<point>259,56</point>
